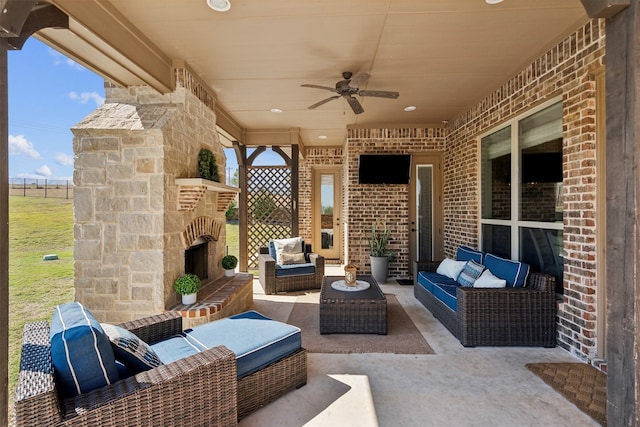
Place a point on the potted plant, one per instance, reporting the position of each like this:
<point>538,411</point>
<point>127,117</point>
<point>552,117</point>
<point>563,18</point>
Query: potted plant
<point>187,285</point>
<point>207,165</point>
<point>380,254</point>
<point>229,263</point>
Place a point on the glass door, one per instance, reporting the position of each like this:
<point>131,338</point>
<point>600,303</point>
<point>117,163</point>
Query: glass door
<point>327,236</point>
<point>425,209</point>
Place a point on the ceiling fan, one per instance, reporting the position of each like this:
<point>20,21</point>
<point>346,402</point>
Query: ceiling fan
<point>350,86</point>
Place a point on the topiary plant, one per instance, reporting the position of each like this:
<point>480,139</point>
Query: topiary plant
<point>187,284</point>
<point>207,165</point>
<point>229,262</point>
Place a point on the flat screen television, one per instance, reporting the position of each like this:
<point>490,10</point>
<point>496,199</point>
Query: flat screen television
<point>384,168</point>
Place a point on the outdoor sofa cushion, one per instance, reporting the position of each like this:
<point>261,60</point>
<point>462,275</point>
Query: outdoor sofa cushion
<point>514,272</point>
<point>295,269</point>
<point>465,253</point>
<point>81,353</point>
<point>256,340</point>
<point>428,279</point>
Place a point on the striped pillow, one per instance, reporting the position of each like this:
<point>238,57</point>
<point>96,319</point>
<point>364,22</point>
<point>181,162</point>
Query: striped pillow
<point>470,272</point>
<point>134,353</point>
<point>80,351</point>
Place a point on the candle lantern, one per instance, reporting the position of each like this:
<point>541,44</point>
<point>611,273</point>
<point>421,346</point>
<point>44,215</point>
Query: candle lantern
<point>350,275</point>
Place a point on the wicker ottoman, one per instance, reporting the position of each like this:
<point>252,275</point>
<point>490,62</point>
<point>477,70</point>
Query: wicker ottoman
<point>360,312</point>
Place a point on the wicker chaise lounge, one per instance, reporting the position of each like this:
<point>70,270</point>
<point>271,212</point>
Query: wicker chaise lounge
<point>511,316</point>
<point>198,390</point>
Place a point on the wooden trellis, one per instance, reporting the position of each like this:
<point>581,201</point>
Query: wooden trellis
<point>269,207</point>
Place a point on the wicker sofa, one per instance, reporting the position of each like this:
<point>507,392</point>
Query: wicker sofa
<point>276,278</point>
<point>199,390</point>
<point>509,316</point>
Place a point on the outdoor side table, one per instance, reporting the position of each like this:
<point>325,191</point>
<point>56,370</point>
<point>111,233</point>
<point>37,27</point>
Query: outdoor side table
<point>358,312</point>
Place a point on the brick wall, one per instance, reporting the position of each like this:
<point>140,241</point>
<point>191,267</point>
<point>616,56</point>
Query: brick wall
<point>565,71</point>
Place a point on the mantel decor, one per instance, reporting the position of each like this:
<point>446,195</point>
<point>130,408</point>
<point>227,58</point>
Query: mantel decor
<point>207,165</point>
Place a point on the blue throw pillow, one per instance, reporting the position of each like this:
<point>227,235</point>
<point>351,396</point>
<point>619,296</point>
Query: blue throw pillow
<point>80,351</point>
<point>470,272</point>
<point>134,353</point>
<point>466,253</point>
<point>514,272</point>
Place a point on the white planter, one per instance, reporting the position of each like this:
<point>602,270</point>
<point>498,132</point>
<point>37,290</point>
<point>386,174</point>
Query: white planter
<point>379,268</point>
<point>189,298</point>
<point>230,272</point>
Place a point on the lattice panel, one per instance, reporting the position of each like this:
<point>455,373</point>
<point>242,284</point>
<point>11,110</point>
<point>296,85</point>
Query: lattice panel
<point>268,207</point>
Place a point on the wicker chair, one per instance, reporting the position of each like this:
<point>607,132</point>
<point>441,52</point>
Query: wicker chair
<point>497,317</point>
<point>199,390</point>
<point>272,283</point>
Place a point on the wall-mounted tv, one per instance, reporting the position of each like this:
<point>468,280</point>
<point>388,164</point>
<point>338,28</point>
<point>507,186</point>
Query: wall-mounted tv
<point>384,168</point>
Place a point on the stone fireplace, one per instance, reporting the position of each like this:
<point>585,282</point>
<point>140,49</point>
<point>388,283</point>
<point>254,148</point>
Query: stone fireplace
<point>135,212</point>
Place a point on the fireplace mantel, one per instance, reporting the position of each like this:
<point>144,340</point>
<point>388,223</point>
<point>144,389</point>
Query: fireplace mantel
<point>191,190</point>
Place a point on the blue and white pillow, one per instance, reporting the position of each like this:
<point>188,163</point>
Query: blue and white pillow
<point>471,271</point>
<point>134,353</point>
<point>514,272</point>
<point>80,351</point>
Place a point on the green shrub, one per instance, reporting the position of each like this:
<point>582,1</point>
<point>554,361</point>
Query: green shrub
<point>207,165</point>
<point>187,284</point>
<point>229,262</point>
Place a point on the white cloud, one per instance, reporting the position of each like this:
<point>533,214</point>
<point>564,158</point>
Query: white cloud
<point>43,171</point>
<point>20,145</point>
<point>63,159</point>
<point>85,97</point>
<point>59,58</point>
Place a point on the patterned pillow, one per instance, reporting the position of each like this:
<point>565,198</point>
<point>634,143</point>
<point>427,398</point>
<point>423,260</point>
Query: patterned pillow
<point>287,259</point>
<point>134,353</point>
<point>471,271</point>
<point>80,351</point>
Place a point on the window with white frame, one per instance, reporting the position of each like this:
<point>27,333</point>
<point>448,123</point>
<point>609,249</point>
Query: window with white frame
<point>521,190</point>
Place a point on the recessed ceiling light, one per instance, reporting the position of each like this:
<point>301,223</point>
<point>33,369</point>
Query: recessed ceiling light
<point>276,110</point>
<point>410,108</point>
<point>219,5</point>
<point>493,1</point>
<point>322,136</point>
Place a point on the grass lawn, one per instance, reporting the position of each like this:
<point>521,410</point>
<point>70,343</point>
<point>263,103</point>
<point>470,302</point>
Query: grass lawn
<point>37,227</point>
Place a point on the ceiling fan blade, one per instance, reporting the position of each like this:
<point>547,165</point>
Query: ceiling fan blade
<point>355,104</point>
<point>324,101</point>
<point>379,93</point>
<point>332,89</point>
<point>358,79</point>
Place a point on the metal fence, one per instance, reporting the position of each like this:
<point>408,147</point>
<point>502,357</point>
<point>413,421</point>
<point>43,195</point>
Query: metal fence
<point>27,187</point>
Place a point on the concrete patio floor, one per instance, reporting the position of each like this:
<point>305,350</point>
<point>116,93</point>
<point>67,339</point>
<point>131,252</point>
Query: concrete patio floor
<point>456,386</point>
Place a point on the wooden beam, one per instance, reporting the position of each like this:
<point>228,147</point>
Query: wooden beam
<point>4,236</point>
<point>623,217</point>
<point>604,8</point>
<point>47,16</point>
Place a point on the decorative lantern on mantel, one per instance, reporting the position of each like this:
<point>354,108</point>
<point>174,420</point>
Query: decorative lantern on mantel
<point>350,271</point>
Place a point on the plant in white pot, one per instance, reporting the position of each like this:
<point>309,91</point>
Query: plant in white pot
<point>187,285</point>
<point>380,254</point>
<point>229,263</point>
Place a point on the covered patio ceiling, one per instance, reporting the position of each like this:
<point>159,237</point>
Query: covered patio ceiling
<point>442,56</point>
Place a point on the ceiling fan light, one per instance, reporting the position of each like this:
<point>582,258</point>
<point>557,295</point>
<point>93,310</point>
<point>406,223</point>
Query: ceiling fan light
<point>219,5</point>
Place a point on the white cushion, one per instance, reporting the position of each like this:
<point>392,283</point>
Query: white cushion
<point>286,259</point>
<point>488,280</point>
<point>450,268</point>
<point>287,246</point>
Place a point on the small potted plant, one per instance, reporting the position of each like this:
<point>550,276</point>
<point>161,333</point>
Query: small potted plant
<point>187,285</point>
<point>380,254</point>
<point>229,263</point>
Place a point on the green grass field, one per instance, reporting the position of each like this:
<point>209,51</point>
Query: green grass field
<point>37,227</point>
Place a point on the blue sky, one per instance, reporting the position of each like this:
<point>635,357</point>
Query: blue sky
<point>48,94</point>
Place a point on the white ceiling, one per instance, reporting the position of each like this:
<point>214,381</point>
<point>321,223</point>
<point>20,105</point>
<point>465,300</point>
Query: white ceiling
<point>441,55</point>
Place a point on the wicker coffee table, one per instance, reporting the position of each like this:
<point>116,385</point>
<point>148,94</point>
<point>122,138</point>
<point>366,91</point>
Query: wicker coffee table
<point>360,312</point>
